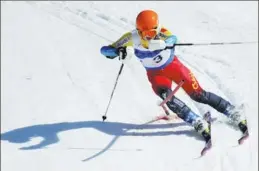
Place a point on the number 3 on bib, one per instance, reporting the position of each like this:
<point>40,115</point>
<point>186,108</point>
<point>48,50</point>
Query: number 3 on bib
<point>158,61</point>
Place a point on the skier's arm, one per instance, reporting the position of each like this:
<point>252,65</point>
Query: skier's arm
<point>168,37</point>
<point>111,51</point>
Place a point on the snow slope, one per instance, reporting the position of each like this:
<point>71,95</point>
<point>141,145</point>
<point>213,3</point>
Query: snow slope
<point>55,87</point>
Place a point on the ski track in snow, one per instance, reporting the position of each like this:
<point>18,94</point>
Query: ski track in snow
<point>90,18</point>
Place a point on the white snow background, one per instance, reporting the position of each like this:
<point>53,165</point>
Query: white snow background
<point>55,86</point>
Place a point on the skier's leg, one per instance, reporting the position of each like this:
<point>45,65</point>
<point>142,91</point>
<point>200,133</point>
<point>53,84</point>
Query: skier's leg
<point>223,106</point>
<point>193,88</point>
<point>162,87</point>
<point>185,113</point>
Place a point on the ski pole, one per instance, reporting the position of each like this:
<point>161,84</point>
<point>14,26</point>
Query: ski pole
<point>118,75</point>
<point>213,43</point>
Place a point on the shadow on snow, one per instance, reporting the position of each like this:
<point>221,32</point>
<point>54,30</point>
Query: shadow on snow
<point>49,132</point>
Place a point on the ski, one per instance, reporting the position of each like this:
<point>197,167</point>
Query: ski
<point>243,138</point>
<point>207,117</point>
<point>242,125</point>
<point>207,147</point>
<point>210,120</point>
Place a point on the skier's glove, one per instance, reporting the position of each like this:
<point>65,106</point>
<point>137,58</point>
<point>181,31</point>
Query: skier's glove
<point>156,45</point>
<point>125,53</point>
<point>162,44</point>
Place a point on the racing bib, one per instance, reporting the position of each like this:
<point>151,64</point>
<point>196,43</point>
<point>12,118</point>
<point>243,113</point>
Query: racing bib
<point>159,61</point>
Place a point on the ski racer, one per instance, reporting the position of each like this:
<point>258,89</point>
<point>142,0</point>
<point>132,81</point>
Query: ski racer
<point>148,43</point>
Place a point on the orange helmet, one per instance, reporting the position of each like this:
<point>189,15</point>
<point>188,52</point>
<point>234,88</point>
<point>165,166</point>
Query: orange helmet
<point>147,24</point>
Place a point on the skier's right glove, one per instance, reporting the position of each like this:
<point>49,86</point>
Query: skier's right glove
<point>156,45</point>
<point>125,53</point>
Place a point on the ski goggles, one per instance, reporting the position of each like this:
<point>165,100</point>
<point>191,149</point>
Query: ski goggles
<point>149,34</point>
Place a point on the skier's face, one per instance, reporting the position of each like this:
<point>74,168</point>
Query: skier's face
<point>149,34</point>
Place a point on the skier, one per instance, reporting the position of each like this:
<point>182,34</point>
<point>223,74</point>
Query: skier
<point>148,43</point>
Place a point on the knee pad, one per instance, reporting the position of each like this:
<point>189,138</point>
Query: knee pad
<point>163,92</point>
<point>211,99</point>
<point>174,104</point>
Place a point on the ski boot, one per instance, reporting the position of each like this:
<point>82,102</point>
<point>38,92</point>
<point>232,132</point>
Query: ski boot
<point>243,127</point>
<point>203,128</point>
<point>235,114</point>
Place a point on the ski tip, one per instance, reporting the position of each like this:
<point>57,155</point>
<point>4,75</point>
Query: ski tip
<point>243,139</point>
<point>206,148</point>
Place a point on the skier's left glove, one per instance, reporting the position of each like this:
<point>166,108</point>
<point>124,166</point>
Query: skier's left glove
<point>125,53</point>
